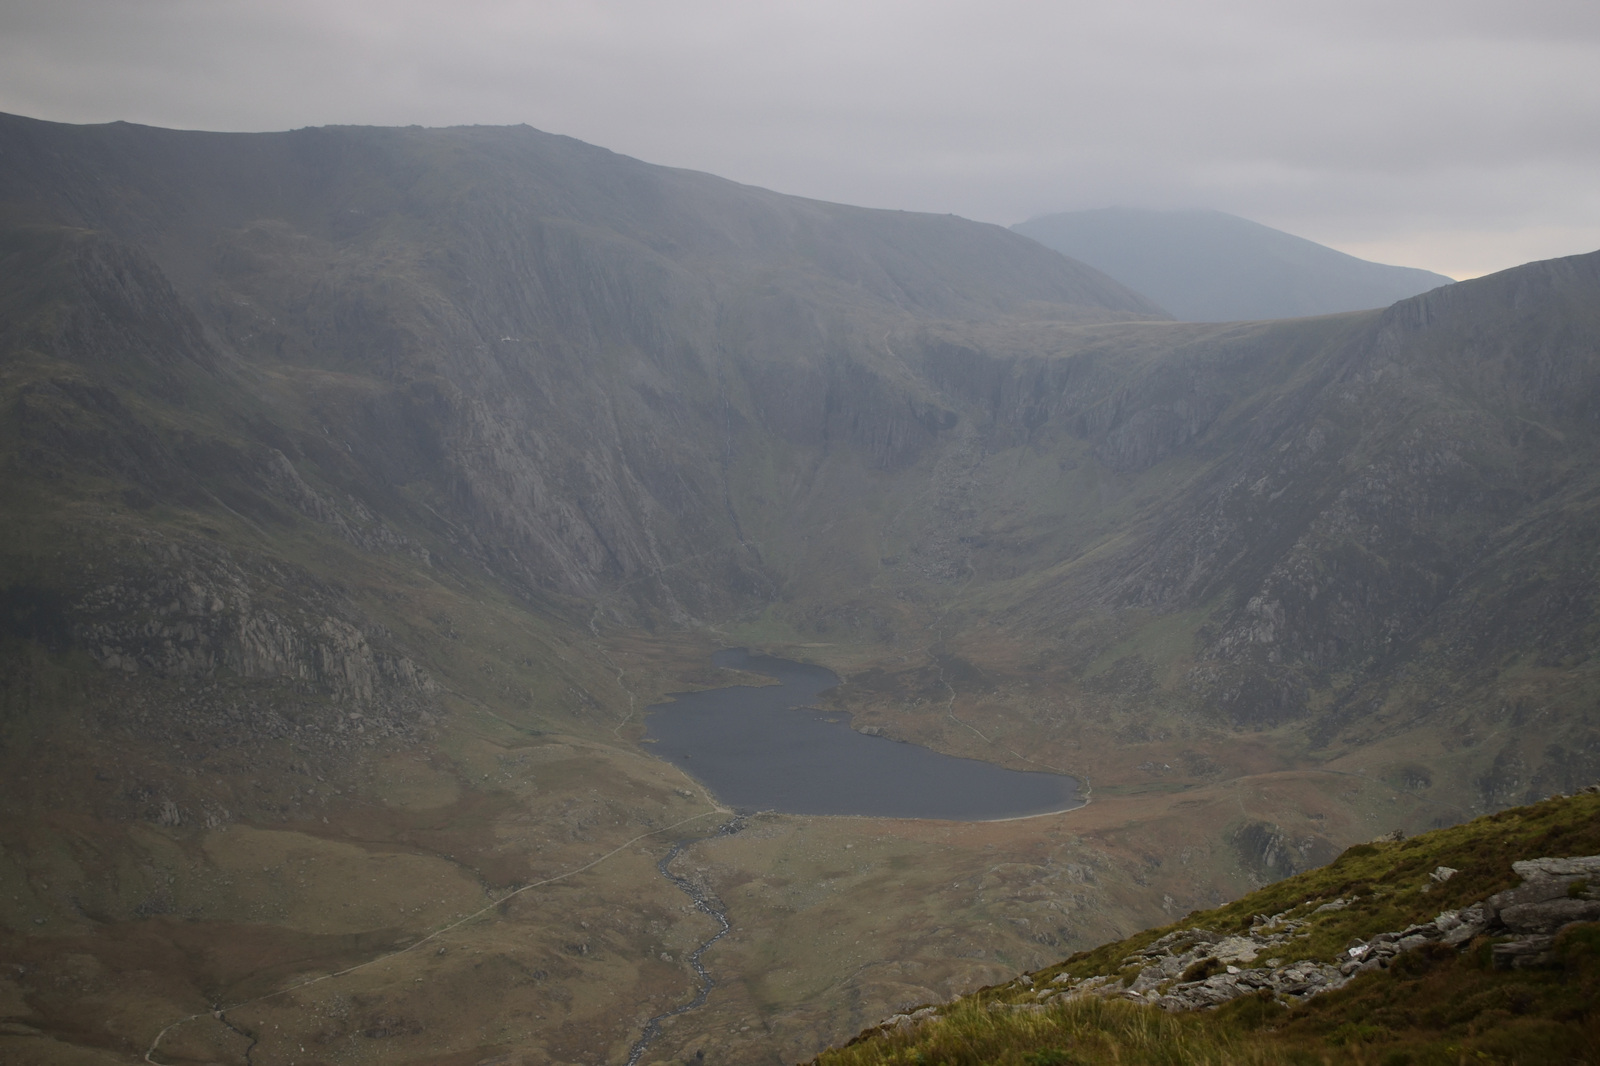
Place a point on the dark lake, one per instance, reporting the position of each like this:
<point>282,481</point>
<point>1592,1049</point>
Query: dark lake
<point>767,748</point>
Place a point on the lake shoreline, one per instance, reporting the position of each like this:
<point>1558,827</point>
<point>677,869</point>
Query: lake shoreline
<point>769,748</point>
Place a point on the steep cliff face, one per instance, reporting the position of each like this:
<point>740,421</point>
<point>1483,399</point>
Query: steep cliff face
<point>1400,490</point>
<point>550,342</point>
<point>1368,512</point>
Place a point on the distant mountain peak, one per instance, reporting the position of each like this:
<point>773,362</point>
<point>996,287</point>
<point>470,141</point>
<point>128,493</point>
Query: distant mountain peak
<point>1210,266</point>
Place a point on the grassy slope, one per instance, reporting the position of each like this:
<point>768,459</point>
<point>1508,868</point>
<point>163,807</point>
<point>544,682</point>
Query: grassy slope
<point>1433,1006</point>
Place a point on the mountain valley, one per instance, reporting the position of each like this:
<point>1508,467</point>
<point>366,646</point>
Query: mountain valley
<point>364,486</point>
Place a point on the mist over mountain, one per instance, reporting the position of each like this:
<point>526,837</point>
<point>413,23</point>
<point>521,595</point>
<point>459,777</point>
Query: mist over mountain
<point>539,297</point>
<point>363,486</point>
<point>1208,266</point>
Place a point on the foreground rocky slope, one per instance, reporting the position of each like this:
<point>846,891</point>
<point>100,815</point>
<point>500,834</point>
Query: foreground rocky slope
<point>1339,981</point>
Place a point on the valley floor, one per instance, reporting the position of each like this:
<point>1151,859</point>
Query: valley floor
<point>479,897</point>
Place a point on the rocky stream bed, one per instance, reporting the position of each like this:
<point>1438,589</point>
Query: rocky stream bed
<point>706,904</point>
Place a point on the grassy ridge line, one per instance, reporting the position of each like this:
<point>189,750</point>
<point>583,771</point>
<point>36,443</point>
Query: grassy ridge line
<point>1436,1006</point>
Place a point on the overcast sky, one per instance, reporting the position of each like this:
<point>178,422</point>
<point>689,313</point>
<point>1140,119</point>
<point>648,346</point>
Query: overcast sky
<point>1458,135</point>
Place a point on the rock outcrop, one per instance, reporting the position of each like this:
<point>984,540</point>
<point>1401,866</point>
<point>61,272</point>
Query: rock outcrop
<point>1554,894</point>
<point>1194,969</point>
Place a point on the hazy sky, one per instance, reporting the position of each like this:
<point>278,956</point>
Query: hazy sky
<point>1458,135</point>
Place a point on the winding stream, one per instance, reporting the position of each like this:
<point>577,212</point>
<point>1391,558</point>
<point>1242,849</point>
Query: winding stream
<point>706,905</point>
